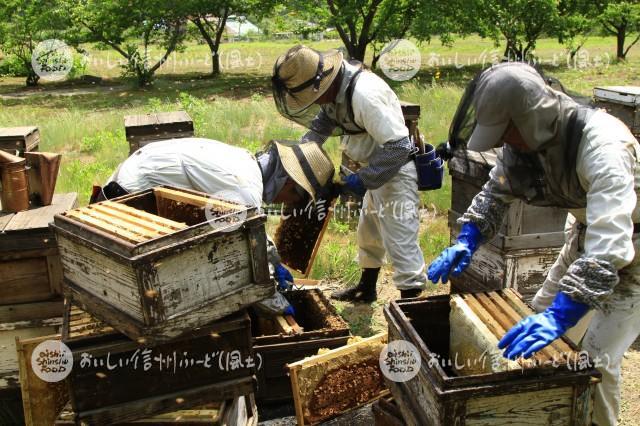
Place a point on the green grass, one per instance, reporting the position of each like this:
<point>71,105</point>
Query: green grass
<point>237,108</point>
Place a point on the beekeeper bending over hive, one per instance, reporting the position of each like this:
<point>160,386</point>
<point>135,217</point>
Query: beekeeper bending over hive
<point>332,97</point>
<point>558,153</point>
<point>275,175</point>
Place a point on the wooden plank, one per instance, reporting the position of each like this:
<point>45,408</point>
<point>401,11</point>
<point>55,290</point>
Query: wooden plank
<point>195,200</point>
<point>42,401</point>
<point>54,269</point>
<point>544,407</point>
<point>25,280</point>
<point>21,131</point>
<point>295,327</point>
<point>123,224</point>
<point>209,414</point>
<point>282,325</point>
<point>105,227</point>
<point>156,119</point>
<point>5,218</point>
<point>23,330</point>
<point>159,228</point>
<point>144,215</point>
<point>31,311</point>
<point>41,216</point>
<point>297,397</point>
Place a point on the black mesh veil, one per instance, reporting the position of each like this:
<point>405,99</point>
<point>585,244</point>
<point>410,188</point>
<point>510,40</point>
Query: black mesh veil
<point>310,116</point>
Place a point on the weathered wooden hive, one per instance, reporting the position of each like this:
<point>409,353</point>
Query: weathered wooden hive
<point>18,140</point>
<point>30,291</point>
<point>622,102</point>
<point>115,379</point>
<point>162,262</point>
<point>525,248</point>
<point>539,393</point>
<point>141,130</point>
<point>321,327</point>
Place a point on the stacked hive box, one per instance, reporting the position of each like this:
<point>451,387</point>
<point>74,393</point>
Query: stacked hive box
<point>536,394</point>
<point>161,279</point>
<point>622,102</point>
<point>30,291</point>
<point>143,129</point>
<point>524,249</point>
<point>18,140</point>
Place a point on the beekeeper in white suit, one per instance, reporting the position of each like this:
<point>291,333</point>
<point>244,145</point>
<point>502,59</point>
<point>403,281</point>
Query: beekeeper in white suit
<point>332,97</point>
<point>275,175</point>
<point>558,153</point>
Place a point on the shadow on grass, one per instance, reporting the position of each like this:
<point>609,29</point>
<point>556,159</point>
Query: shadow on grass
<point>122,93</point>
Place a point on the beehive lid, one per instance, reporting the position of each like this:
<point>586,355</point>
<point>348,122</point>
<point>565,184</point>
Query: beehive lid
<point>625,95</point>
<point>156,119</point>
<point>12,133</point>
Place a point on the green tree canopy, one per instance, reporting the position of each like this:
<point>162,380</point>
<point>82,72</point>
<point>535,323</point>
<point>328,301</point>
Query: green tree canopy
<point>132,28</point>
<point>25,23</point>
<point>622,19</point>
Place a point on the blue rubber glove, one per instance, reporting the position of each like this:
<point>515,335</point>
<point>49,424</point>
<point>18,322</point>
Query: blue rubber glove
<point>283,276</point>
<point>537,331</point>
<point>457,257</point>
<point>353,183</point>
<point>289,310</point>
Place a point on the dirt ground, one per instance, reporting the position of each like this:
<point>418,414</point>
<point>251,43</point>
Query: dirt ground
<point>366,320</point>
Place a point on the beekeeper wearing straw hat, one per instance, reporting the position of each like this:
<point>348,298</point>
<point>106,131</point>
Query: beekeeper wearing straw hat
<point>332,97</point>
<point>556,152</point>
<point>279,173</point>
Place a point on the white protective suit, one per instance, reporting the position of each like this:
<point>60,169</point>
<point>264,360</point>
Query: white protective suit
<point>605,167</point>
<point>204,165</point>
<point>389,220</point>
<point>608,169</point>
<point>201,164</point>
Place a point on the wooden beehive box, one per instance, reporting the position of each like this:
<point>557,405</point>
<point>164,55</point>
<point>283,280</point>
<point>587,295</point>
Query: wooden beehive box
<point>438,396</point>
<point>161,262</point>
<point>322,328</point>
<point>526,246</point>
<point>240,411</point>
<point>622,102</point>
<point>327,385</point>
<point>29,258</point>
<point>11,411</point>
<point>115,379</point>
<point>18,140</point>
<point>146,128</point>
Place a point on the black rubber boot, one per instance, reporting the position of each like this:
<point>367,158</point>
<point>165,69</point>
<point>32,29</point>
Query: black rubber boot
<point>365,291</point>
<point>410,294</point>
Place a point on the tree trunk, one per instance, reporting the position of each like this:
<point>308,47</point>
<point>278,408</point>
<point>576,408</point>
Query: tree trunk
<point>32,78</point>
<point>620,38</point>
<point>213,41</point>
<point>374,61</point>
